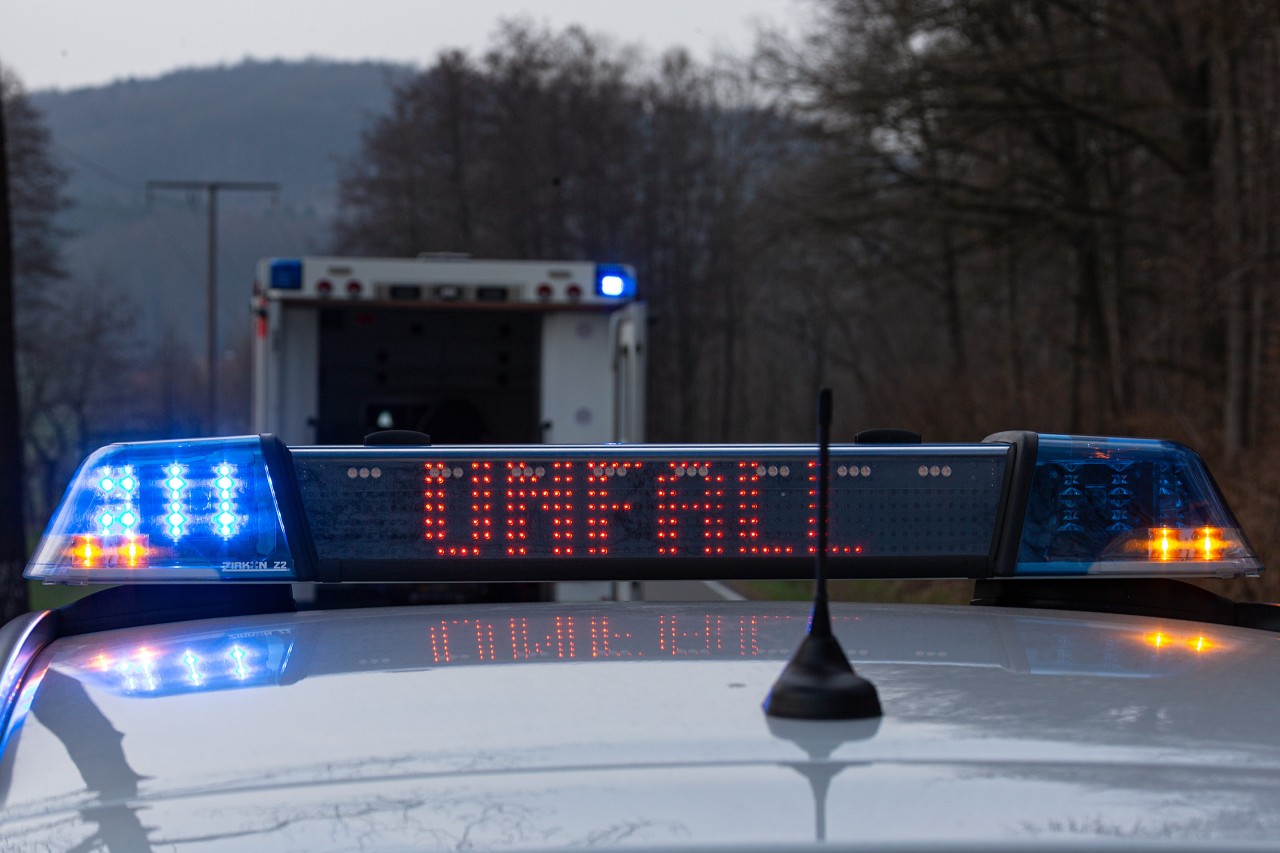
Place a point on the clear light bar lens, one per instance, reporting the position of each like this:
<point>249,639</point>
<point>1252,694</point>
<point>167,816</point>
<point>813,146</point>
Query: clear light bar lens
<point>1127,507</point>
<point>167,511</point>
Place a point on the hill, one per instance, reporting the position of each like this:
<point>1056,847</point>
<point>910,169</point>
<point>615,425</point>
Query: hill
<point>287,122</point>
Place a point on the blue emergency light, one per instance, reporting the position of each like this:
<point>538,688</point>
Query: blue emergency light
<point>286,274</point>
<point>615,281</point>
<point>204,509</point>
<point>1016,505</point>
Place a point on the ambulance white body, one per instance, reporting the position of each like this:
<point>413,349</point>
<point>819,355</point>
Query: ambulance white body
<point>466,351</point>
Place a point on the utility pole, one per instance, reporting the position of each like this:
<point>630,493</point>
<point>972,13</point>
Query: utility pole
<point>211,190</point>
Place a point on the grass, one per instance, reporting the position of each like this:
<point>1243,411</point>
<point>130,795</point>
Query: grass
<point>49,596</point>
<point>910,592</point>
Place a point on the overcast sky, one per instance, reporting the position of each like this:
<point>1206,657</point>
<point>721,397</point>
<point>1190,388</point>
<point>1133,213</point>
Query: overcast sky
<point>71,43</point>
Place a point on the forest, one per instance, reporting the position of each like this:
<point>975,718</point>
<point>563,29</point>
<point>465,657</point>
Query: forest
<point>1057,215</point>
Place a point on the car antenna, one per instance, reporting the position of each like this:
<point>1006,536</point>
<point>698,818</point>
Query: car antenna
<point>818,682</point>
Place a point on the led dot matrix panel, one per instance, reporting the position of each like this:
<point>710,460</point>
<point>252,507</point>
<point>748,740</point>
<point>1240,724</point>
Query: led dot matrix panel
<point>652,506</point>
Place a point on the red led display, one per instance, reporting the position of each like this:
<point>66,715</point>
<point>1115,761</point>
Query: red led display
<point>691,503</point>
<point>602,502</point>
<point>538,491</point>
<point>702,508</point>
<point>668,503</point>
<point>686,507</point>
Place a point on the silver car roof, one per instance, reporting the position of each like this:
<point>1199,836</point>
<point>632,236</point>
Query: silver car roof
<point>551,726</point>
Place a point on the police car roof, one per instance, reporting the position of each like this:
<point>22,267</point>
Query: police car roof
<point>556,725</point>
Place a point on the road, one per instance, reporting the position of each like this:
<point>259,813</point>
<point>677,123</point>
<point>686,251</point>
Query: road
<point>686,591</point>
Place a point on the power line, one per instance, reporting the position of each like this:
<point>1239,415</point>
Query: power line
<point>97,168</point>
<point>113,177</point>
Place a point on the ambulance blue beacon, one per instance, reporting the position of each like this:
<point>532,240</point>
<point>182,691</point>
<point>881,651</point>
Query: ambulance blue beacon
<point>1089,698</point>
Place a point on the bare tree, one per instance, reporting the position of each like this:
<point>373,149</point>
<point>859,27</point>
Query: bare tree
<point>31,196</point>
<point>13,549</point>
<point>563,145</point>
<point>71,370</point>
<point>1076,164</point>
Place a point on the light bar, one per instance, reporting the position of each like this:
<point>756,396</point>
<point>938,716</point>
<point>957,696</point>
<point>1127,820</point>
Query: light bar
<point>1015,505</point>
<point>1116,506</point>
<point>169,511</point>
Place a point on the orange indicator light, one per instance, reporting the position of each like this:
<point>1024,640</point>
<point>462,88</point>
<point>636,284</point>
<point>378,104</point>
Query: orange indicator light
<point>86,553</point>
<point>1203,544</point>
<point>1210,543</point>
<point>133,552</point>
<point>1161,544</point>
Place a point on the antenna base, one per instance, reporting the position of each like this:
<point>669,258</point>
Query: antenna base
<point>819,684</point>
